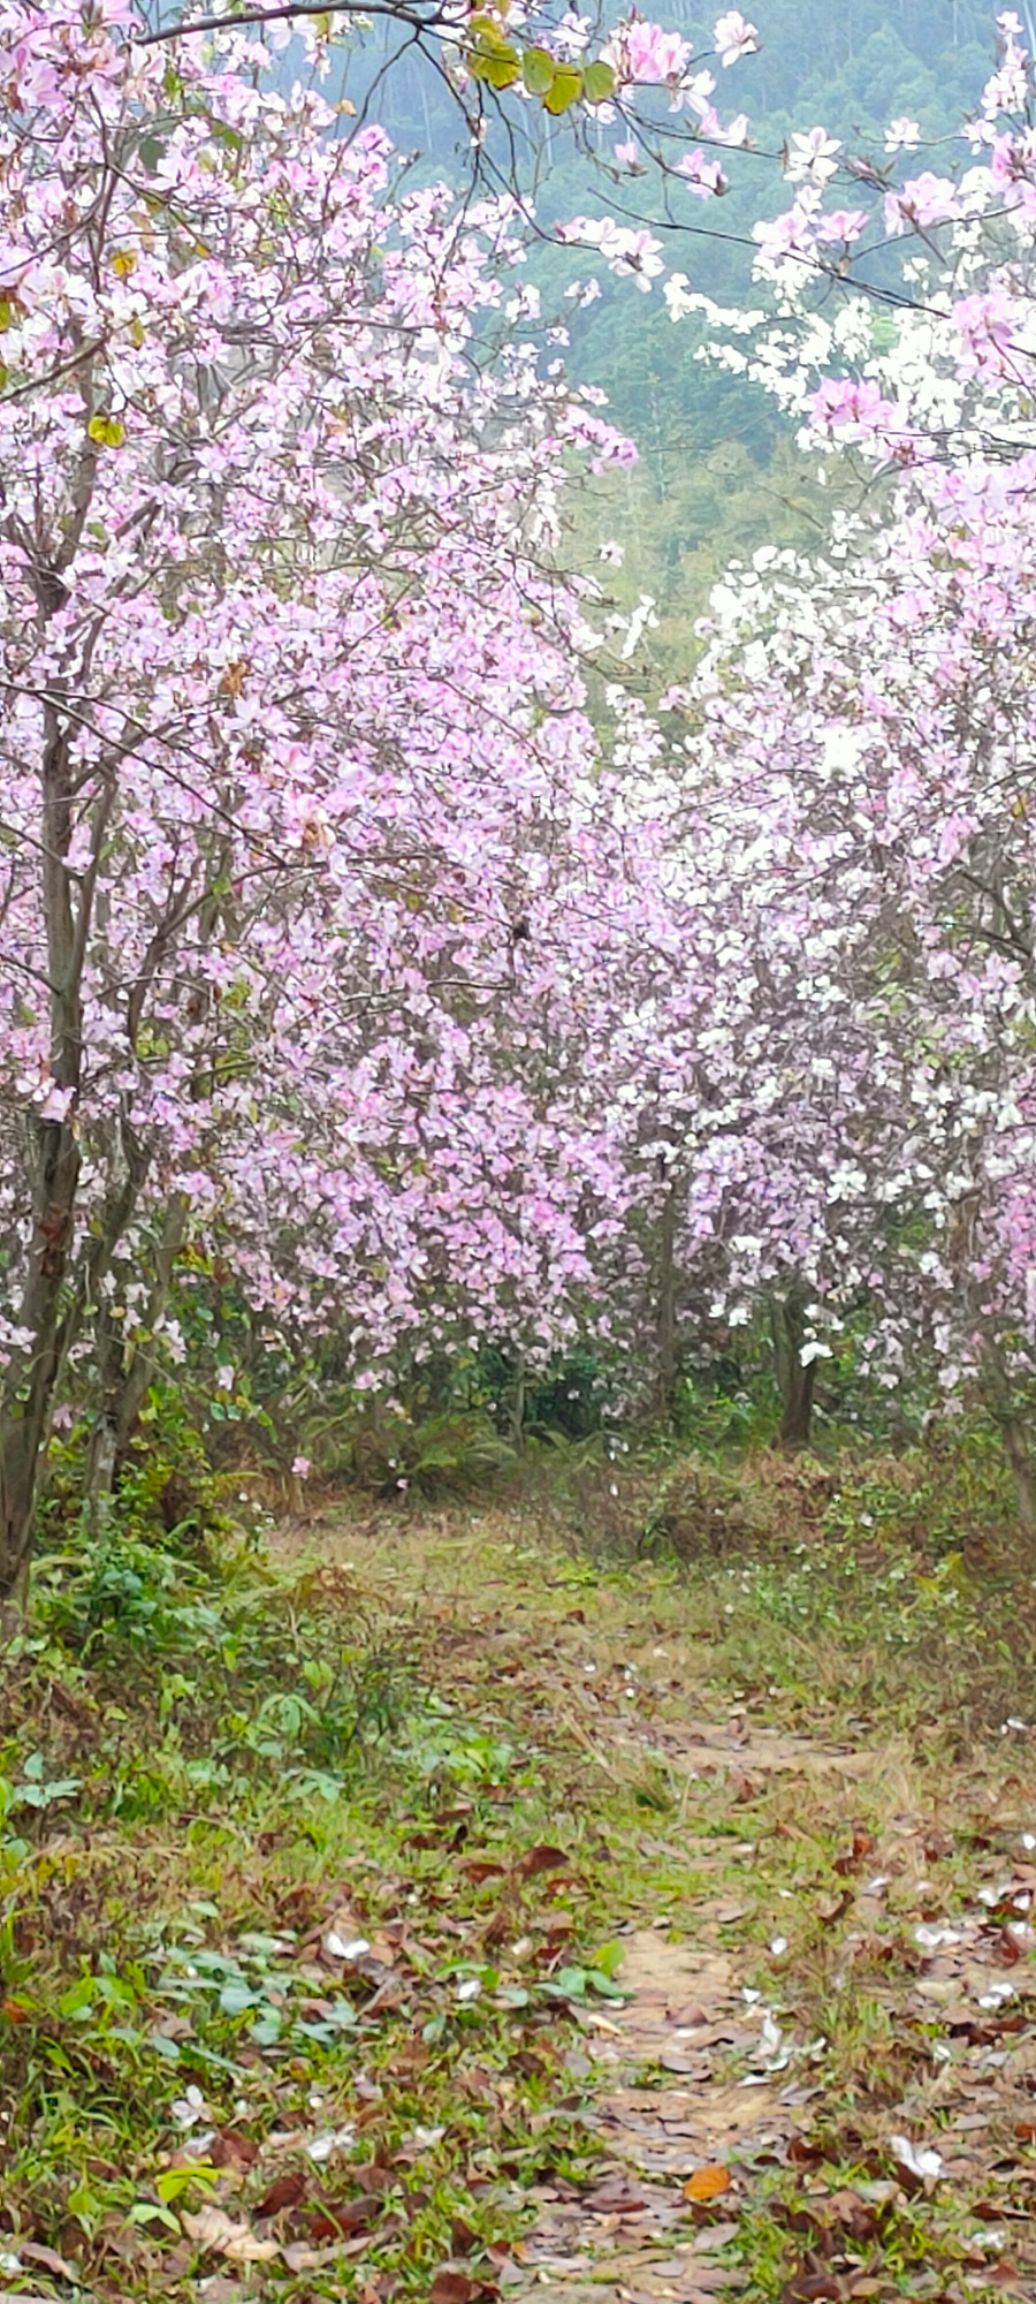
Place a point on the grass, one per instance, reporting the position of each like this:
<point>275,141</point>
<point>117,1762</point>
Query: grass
<point>317,1863</point>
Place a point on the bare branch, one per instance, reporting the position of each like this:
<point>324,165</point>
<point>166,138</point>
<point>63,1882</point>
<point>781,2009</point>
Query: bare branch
<point>416,18</point>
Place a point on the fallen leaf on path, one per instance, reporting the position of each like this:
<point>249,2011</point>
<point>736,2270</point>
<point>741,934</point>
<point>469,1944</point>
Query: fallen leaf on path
<point>711,2239</point>
<point>543,1858</point>
<point>284,2192</point>
<point>217,2232</point>
<point>48,2259</point>
<point>231,2150</point>
<point>707,2183</point>
<point>453,2288</point>
<point>300,2257</point>
<point>685,2063</point>
<point>617,2197</point>
<point>342,2219</point>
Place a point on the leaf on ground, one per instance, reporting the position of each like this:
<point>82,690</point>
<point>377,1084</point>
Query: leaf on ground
<point>216,2232</point>
<point>232,2150</point>
<point>454,2288</point>
<point>284,2192</point>
<point>813,2288</point>
<point>706,2183</point>
<point>48,2259</point>
<point>543,1858</point>
<point>341,2219</point>
<point>862,1846</point>
<point>617,2196</point>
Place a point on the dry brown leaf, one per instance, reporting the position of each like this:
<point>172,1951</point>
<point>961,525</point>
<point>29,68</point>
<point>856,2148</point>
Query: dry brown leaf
<point>231,2150</point>
<point>284,2192</point>
<point>48,2259</point>
<point>217,2232</point>
<point>543,1858</point>
<point>452,2288</point>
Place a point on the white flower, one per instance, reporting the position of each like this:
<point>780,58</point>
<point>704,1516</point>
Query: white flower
<point>333,2140</point>
<point>812,157</point>
<point>339,1948</point>
<point>189,2109</point>
<point>733,38</point>
<point>917,2158</point>
<point>902,136</point>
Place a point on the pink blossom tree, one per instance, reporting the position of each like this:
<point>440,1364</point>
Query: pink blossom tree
<point>864,731</point>
<point>301,788</point>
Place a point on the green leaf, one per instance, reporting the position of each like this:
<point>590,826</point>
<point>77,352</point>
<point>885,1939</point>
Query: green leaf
<point>501,71</point>
<point>598,83</point>
<point>538,69</point>
<point>495,61</point>
<point>174,2182</point>
<point>235,1998</point>
<point>163,2046</point>
<point>145,2212</point>
<point>565,90</point>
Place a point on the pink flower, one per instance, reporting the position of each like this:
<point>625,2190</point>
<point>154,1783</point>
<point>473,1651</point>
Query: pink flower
<point>646,55</point>
<point>841,224</point>
<point>842,401</point>
<point>985,325</point>
<point>704,176</point>
<point>925,201</point>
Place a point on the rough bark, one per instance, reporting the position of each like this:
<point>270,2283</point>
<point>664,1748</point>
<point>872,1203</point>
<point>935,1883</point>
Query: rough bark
<point>67,899</point>
<point>29,1391</point>
<point>796,1382</point>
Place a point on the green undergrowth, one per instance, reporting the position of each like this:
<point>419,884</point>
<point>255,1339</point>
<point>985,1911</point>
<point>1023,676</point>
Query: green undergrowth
<point>290,1939</point>
<point>317,1859</point>
<point>892,1585</point>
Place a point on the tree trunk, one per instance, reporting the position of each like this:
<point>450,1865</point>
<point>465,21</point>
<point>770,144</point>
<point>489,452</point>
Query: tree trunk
<point>796,1382</point>
<point>1002,1408</point>
<point>124,1377</point>
<point>665,1318</point>
<point>30,1384</point>
<point>1023,1471</point>
<point>31,1381</point>
<point>517,1411</point>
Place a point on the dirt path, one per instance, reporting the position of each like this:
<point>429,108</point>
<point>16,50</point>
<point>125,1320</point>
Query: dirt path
<point>821,2083</point>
